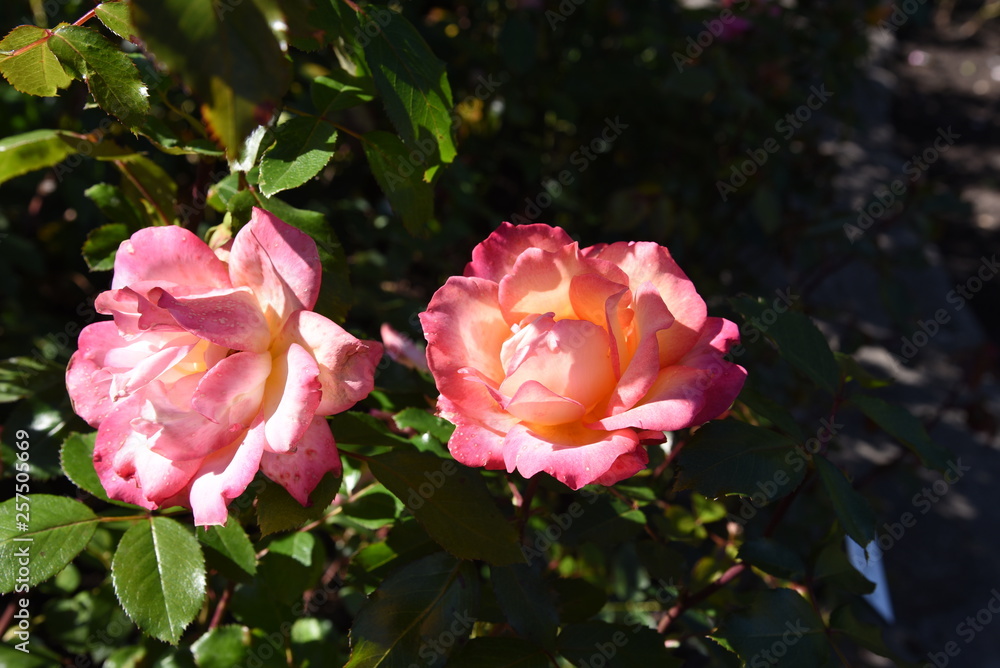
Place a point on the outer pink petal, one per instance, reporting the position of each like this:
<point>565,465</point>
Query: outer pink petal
<point>88,383</point>
<point>168,254</point>
<point>475,443</point>
<point>464,328</point>
<point>346,364</point>
<point>722,380</point>
<point>673,402</point>
<point>223,476</point>
<point>646,261</point>
<point>572,454</point>
<point>402,348</point>
<point>133,313</point>
<point>495,257</point>
<point>127,469</point>
<point>652,317</point>
<point>293,395</point>
<point>279,263</point>
<point>299,472</point>
<point>540,282</point>
<point>229,318</point>
<point>230,392</point>
<point>626,466</point>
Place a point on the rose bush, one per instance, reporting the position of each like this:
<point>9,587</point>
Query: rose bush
<point>215,367</point>
<point>553,358</point>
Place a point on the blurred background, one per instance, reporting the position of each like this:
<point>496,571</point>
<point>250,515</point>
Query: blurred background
<point>845,153</point>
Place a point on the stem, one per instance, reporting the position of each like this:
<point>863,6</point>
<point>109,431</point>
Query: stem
<point>694,599</point>
<point>7,616</point>
<point>525,510</point>
<point>86,17</point>
<point>29,47</point>
<point>220,609</point>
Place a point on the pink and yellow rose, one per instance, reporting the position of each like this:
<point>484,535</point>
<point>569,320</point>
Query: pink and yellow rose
<point>553,358</point>
<point>215,367</point>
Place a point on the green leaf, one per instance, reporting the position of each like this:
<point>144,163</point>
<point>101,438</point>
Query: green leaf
<point>424,423</point>
<point>525,602</point>
<point>21,377</point>
<point>230,544</point>
<point>373,510</point>
<point>773,412</point>
<point>852,509</point>
<point>605,520</point>
<point>102,244</point>
<point>302,147</point>
<point>577,600</point>
<point>618,645</point>
<point>112,78</point>
<point>843,621</point>
<point>277,510</point>
<point>112,202</point>
<point>146,184</point>
<point>116,18</point>
<point>298,546</point>
<point>406,542</point>
<point>413,84</point>
<point>355,428</point>
<point>58,529</point>
<point>779,629</point>
<point>230,645</point>
<point>423,601</point>
<point>227,55</point>
<point>159,577</point>
<point>451,502</point>
<point>798,339</point>
<point>833,566</point>
<point>772,557</point>
<point>500,653</point>
<point>904,427</point>
<point>77,459</point>
<point>410,196</point>
<point>732,457</point>
<point>36,70</point>
<point>38,149</point>
<point>330,95</point>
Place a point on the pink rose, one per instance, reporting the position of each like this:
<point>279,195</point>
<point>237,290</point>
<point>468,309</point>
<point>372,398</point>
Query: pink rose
<point>214,368</point>
<point>551,358</point>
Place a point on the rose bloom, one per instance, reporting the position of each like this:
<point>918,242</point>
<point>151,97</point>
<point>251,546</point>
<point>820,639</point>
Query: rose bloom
<point>568,361</point>
<point>214,368</point>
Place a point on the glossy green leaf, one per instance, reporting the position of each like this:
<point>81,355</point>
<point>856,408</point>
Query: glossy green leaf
<point>373,510</point>
<point>20,377</point>
<point>614,646</point>
<point>231,645</point>
<point>600,520</point>
<point>772,557</point>
<point>451,502</point>
<point>331,95</point>
<point>781,629</point>
<point>299,546</point>
<point>799,341</point>
<point>526,602</point>
<point>399,175</point>
<point>424,423</point>
<point>904,427</point>
<point>116,17</point>
<point>159,577</point>
<point>229,542</point>
<point>431,597</point>
<point>500,653</point>
<point>227,55</point>
<point>302,147</point>
<point>102,244</point>
<point>112,202</point>
<point>413,84</point>
<point>355,428</point>
<point>23,153</point>
<point>773,412</point>
<point>732,457</point>
<point>853,510</point>
<point>407,541</point>
<point>58,529</point>
<point>112,78</point>
<point>146,184</point>
<point>277,510</point>
<point>35,70</point>
<point>834,567</point>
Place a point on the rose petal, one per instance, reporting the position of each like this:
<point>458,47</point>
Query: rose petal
<point>87,382</point>
<point>494,257</point>
<point>673,402</point>
<point>346,364</point>
<point>175,429</point>
<point>230,392</point>
<point>540,282</point>
<point>475,443</point>
<point>279,263</point>
<point>299,472</point>
<point>225,475</point>
<point>537,404</point>
<point>572,454</point>
<point>464,329</point>
<point>293,393</point>
<point>646,261</point>
<point>626,466</point>
<point>168,255</point>
<point>401,348</point>
<point>229,318</point>
<point>604,302</point>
